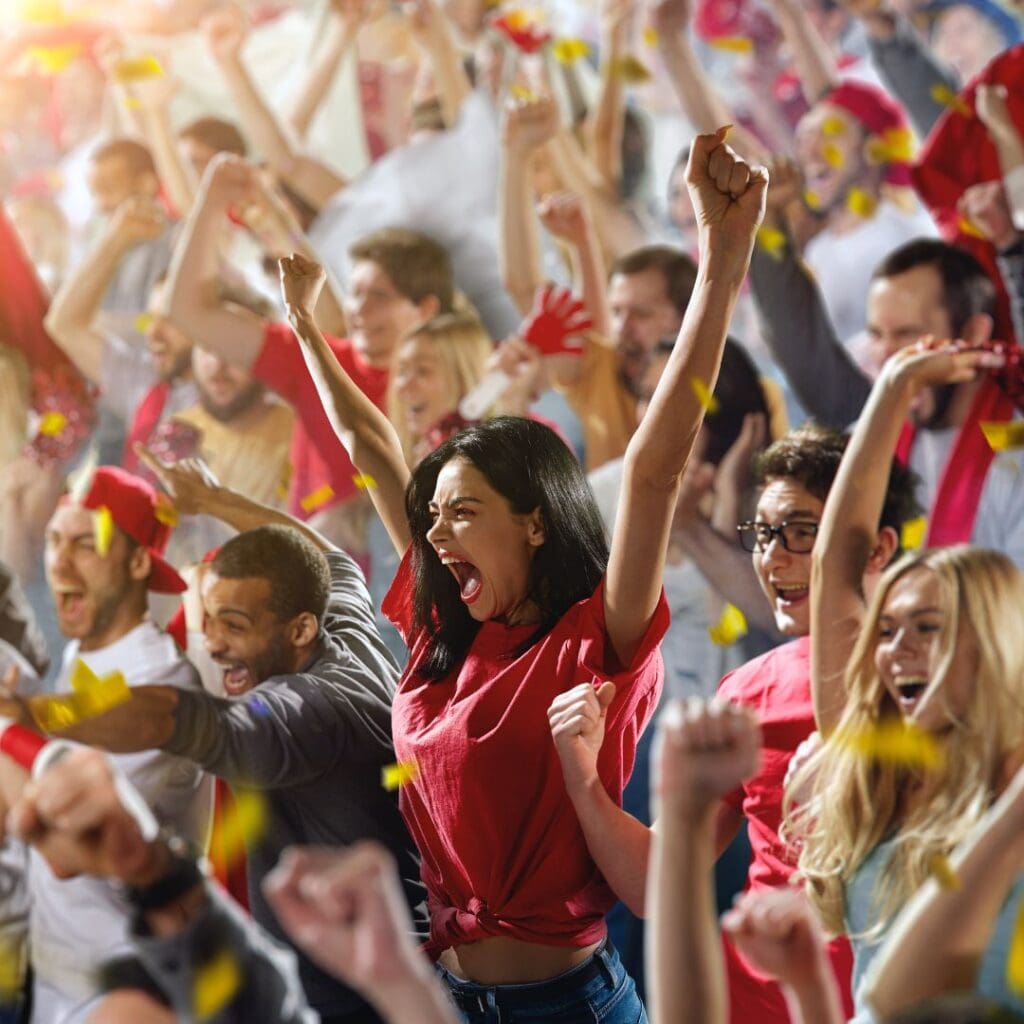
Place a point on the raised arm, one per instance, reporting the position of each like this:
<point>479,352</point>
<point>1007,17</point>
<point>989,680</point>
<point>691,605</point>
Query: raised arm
<point>366,433</point>
<point>194,302</point>
<point>702,752</point>
<point>700,100</point>
<point>936,945</point>
<point>526,127</point>
<point>433,33</point>
<point>605,126</point>
<point>565,216</point>
<point>816,65</point>
<point>345,18</point>
<point>728,197</point>
<point>310,178</point>
<point>72,318</point>
<point>848,535</point>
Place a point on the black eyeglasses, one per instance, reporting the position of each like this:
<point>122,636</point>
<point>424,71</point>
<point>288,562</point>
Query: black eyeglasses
<point>797,537</point>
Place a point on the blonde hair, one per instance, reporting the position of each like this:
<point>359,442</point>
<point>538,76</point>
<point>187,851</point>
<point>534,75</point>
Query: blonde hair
<point>855,802</point>
<point>15,395</point>
<point>464,347</point>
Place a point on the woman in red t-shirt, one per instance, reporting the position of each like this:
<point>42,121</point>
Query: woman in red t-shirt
<point>507,595</point>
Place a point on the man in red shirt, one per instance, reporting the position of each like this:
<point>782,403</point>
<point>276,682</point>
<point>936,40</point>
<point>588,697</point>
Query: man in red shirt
<point>795,475</point>
<point>399,279</point>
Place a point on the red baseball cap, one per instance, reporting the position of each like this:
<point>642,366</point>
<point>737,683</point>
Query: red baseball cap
<point>134,507</point>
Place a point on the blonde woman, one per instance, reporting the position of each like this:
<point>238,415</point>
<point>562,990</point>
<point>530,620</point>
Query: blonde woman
<point>939,648</point>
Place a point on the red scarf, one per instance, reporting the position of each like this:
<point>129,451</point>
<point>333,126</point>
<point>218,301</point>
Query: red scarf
<point>148,414</point>
<point>955,508</point>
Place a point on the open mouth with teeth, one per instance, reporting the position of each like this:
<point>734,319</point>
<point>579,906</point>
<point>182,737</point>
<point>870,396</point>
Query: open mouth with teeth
<point>69,601</point>
<point>910,689</point>
<point>237,679</point>
<point>468,575</point>
<point>790,594</point>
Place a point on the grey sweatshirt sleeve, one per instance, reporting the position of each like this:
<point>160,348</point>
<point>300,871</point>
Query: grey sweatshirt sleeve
<point>1011,269</point>
<point>910,72</point>
<point>797,329</point>
<point>221,952</point>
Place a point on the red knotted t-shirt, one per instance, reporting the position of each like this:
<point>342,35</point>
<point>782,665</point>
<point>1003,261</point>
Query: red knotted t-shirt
<point>503,852</point>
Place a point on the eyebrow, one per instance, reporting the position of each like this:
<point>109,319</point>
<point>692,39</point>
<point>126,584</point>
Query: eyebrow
<point>799,513</point>
<point>460,500</point>
<point>234,611</point>
<point>916,613</point>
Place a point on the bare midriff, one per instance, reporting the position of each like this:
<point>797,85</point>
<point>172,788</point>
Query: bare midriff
<point>503,961</point>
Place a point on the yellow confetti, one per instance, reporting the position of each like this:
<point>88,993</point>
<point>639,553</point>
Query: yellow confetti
<point>103,530</point>
<point>941,93</point>
<point>95,694</point>
<point>631,70</point>
<point>317,498</point>
<point>131,103</point>
<point>568,51</point>
<point>393,776</point>
<point>1015,958</point>
<point>521,93</point>
<point>833,155</point>
<point>968,227</point>
<point>46,12</point>
<point>133,69</point>
<point>80,480</point>
<point>1003,434</point>
<point>53,424</point>
<point>772,241</point>
<point>731,626</point>
<point>650,36</point>
<point>732,44</point>
<point>52,60</point>
<point>364,481</point>
<point>53,714</point>
<point>216,983</point>
<point>165,511</point>
<point>896,742</point>
<point>942,871</point>
<point>861,203</point>
<point>143,322</point>
<point>912,533</point>
<point>894,145</point>
<point>833,125</point>
<point>520,20</point>
<point>12,968</point>
<point>243,826</point>
<point>812,199</point>
<point>707,400</point>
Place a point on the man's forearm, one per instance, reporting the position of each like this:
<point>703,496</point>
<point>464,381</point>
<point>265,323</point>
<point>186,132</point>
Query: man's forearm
<point>242,513</point>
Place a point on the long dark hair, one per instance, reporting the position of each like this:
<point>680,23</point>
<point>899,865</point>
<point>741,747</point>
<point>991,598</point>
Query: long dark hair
<point>530,466</point>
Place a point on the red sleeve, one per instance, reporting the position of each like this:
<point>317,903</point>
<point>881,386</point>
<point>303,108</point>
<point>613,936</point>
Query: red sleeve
<point>398,601</point>
<point>280,365</point>
<point>728,689</point>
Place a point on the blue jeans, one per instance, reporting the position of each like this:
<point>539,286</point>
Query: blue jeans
<point>597,991</point>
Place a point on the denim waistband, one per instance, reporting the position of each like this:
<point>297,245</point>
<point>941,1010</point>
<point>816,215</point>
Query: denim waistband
<point>473,997</point>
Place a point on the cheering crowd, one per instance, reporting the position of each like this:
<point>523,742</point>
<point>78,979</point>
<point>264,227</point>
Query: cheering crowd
<point>511,515</point>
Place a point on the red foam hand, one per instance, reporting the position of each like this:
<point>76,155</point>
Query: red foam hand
<point>520,30</point>
<point>555,323</point>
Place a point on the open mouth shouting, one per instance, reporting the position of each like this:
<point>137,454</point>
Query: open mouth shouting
<point>909,690</point>
<point>69,601</point>
<point>468,575</point>
<point>790,595</point>
<point>237,678</point>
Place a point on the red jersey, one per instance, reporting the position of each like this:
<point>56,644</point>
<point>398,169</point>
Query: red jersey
<point>318,458</point>
<point>503,852</point>
<point>777,685</point>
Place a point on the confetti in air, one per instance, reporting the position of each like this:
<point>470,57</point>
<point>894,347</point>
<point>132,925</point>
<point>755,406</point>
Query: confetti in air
<point>895,742</point>
<point>216,983</point>
<point>394,776</point>
<point>631,70</point>
<point>103,530</point>
<point>943,873</point>
<point>772,241</point>
<point>91,695</point>
<point>912,533</point>
<point>968,227</point>
<point>731,626</point>
<point>707,400</point>
<point>732,44</point>
<point>317,499</point>
<point>568,51</point>
<point>364,481</point>
<point>833,155</point>
<point>135,69</point>
<point>833,125</point>
<point>1003,435</point>
<point>942,94</point>
<point>52,60</point>
<point>242,826</point>
<point>861,203</point>
<point>165,511</point>
<point>52,424</point>
<point>143,322</point>
<point>812,199</point>
<point>650,36</point>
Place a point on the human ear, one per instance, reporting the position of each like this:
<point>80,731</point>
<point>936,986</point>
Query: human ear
<point>140,564</point>
<point>886,545</point>
<point>535,529</point>
<point>303,630</point>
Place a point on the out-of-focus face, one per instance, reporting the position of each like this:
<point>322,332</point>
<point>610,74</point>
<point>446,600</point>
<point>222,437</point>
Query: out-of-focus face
<point>680,207</point>
<point>830,151</point>
<point>785,576</point>
<point>901,310</point>
<point>196,153</point>
<point>225,391</point>
<point>641,315</point>
<point>965,40</point>
<point>488,547</point>
<point>379,315</point>
<point>111,182</point>
<point>90,591</point>
<point>244,637</point>
<point>424,385</point>
<point>169,348</point>
<point>912,631</point>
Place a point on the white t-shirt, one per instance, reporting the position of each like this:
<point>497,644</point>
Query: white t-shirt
<point>76,924</point>
<point>843,264</point>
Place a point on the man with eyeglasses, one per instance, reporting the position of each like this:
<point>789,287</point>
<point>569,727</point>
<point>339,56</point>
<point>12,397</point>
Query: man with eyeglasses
<point>794,475</point>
